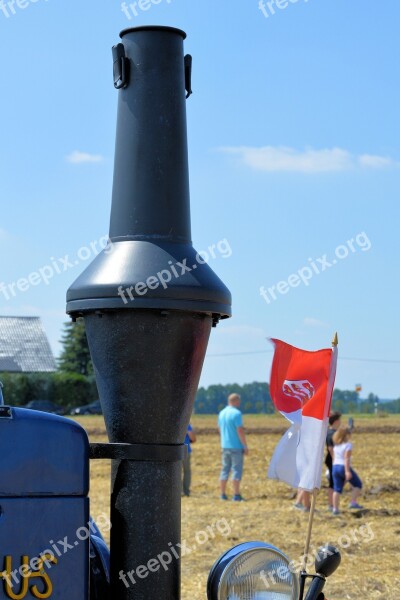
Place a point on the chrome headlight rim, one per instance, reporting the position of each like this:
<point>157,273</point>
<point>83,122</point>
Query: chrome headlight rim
<point>221,565</point>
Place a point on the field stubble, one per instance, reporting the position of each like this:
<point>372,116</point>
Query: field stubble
<point>369,566</point>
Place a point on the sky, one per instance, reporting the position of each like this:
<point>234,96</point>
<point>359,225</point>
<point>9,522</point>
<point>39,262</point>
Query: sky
<point>294,167</point>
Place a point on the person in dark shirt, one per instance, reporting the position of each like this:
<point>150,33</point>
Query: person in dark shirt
<point>334,424</point>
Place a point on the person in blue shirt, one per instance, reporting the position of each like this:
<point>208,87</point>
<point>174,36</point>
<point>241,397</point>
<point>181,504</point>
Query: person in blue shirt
<point>233,444</point>
<point>187,474</point>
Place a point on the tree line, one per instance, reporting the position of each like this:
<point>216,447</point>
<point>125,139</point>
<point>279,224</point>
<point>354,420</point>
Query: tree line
<point>256,399</point>
<point>73,384</point>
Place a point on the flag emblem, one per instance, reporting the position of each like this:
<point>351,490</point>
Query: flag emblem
<point>302,390</point>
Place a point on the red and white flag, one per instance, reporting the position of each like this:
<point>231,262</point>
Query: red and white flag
<point>301,387</point>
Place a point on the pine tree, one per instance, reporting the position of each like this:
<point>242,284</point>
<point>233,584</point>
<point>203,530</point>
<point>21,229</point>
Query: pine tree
<point>75,356</point>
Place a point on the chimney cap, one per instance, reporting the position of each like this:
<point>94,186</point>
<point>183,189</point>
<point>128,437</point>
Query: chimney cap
<point>153,28</point>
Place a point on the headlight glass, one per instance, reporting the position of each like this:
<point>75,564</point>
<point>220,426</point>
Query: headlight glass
<point>252,571</point>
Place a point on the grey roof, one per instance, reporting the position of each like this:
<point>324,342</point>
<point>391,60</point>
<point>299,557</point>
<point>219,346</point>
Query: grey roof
<point>24,346</point>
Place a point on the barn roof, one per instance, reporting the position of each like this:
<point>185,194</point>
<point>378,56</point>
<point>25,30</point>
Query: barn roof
<point>24,346</point>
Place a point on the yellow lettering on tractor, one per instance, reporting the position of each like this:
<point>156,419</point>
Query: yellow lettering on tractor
<point>8,574</point>
<point>22,575</point>
<point>41,573</point>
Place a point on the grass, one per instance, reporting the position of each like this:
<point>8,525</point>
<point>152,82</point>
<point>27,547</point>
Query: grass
<point>369,566</point>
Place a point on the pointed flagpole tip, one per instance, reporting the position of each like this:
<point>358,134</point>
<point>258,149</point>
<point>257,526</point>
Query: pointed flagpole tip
<point>335,340</point>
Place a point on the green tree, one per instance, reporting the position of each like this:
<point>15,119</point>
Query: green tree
<point>72,389</point>
<point>21,388</point>
<point>372,398</point>
<point>393,406</point>
<point>75,356</point>
<point>259,407</point>
<point>255,398</point>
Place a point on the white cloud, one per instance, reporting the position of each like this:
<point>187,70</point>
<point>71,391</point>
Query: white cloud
<point>371,161</point>
<point>284,159</point>
<point>78,157</point>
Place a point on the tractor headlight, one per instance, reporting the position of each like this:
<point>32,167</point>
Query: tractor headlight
<point>252,571</point>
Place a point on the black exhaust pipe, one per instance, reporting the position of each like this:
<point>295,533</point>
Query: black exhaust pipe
<point>149,302</point>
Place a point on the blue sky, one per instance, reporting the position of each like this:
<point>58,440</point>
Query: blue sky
<point>293,149</point>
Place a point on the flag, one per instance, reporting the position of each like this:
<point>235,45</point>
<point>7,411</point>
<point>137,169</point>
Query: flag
<point>301,386</point>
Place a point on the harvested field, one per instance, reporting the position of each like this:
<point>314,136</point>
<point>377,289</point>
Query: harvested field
<point>369,539</point>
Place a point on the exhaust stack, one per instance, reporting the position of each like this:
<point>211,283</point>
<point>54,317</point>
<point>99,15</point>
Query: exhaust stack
<point>149,302</point>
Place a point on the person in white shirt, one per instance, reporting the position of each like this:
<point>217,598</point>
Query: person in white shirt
<point>342,470</point>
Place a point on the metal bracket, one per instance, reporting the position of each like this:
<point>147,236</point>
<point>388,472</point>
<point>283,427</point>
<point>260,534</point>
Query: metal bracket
<point>6,412</point>
<point>215,320</point>
<point>139,452</point>
<point>120,67</point>
<point>188,75</point>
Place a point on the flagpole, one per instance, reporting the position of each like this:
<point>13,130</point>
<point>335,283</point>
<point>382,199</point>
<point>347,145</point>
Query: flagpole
<point>335,343</point>
<point>309,529</point>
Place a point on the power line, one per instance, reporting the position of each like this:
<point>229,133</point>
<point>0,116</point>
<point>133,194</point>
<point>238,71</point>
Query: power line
<point>371,360</point>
